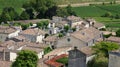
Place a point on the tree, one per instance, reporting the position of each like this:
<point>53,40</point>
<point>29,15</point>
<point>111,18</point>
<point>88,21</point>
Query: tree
<point>24,16</point>
<point>51,12</point>
<point>69,10</point>
<point>47,50</point>
<point>13,15</point>
<point>5,17</point>
<point>26,58</point>
<point>30,11</point>
<point>66,28</point>
<point>102,48</point>
<point>118,33</point>
<point>40,7</point>
<point>117,16</point>
<point>98,62</point>
<point>42,24</point>
<point>25,26</point>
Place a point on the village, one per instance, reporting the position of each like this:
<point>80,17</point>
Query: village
<point>69,36</point>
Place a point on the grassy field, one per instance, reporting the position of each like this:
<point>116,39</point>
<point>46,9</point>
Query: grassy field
<point>96,11</point>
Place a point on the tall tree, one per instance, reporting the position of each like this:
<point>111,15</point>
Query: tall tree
<point>24,16</point>
<point>26,58</point>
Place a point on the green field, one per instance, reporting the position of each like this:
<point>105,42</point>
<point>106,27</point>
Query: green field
<point>97,11</point>
<point>17,4</point>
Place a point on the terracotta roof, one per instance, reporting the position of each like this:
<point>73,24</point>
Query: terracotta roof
<point>80,36</point>
<point>38,45</point>
<point>73,18</point>
<point>98,25</point>
<point>52,62</point>
<point>114,39</point>
<point>5,64</point>
<point>51,38</point>
<point>90,32</point>
<point>7,29</point>
<point>7,43</point>
<point>35,31</point>
<point>20,37</point>
<point>38,50</point>
<point>16,45</point>
<point>86,34</point>
<point>57,52</point>
<point>87,50</point>
<point>108,32</point>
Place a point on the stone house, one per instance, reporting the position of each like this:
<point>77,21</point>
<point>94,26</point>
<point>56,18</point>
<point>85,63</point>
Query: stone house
<point>55,27</point>
<point>10,49</point>
<point>19,38</point>
<point>76,58</point>
<point>73,21</point>
<point>8,32</point>
<point>113,39</point>
<point>98,25</point>
<point>85,37</point>
<point>33,35</point>
<point>50,40</point>
<point>114,59</point>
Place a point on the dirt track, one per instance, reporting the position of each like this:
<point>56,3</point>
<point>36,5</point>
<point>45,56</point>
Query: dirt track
<point>85,4</point>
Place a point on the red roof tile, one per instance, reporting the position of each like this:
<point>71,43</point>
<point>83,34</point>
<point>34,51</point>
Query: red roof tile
<point>52,62</point>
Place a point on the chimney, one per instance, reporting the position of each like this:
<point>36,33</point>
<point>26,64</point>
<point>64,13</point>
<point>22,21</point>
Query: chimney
<point>3,54</point>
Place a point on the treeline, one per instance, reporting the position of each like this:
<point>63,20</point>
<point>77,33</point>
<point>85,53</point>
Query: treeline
<point>36,9</point>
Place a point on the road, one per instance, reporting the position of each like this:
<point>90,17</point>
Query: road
<point>84,4</point>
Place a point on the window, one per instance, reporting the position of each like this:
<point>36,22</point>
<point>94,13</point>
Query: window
<point>68,39</point>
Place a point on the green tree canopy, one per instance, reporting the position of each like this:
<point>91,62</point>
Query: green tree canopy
<point>66,28</point>
<point>24,16</point>
<point>118,33</point>
<point>5,17</point>
<point>98,62</point>
<point>42,24</point>
<point>9,14</point>
<point>26,58</point>
<point>102,48</point>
